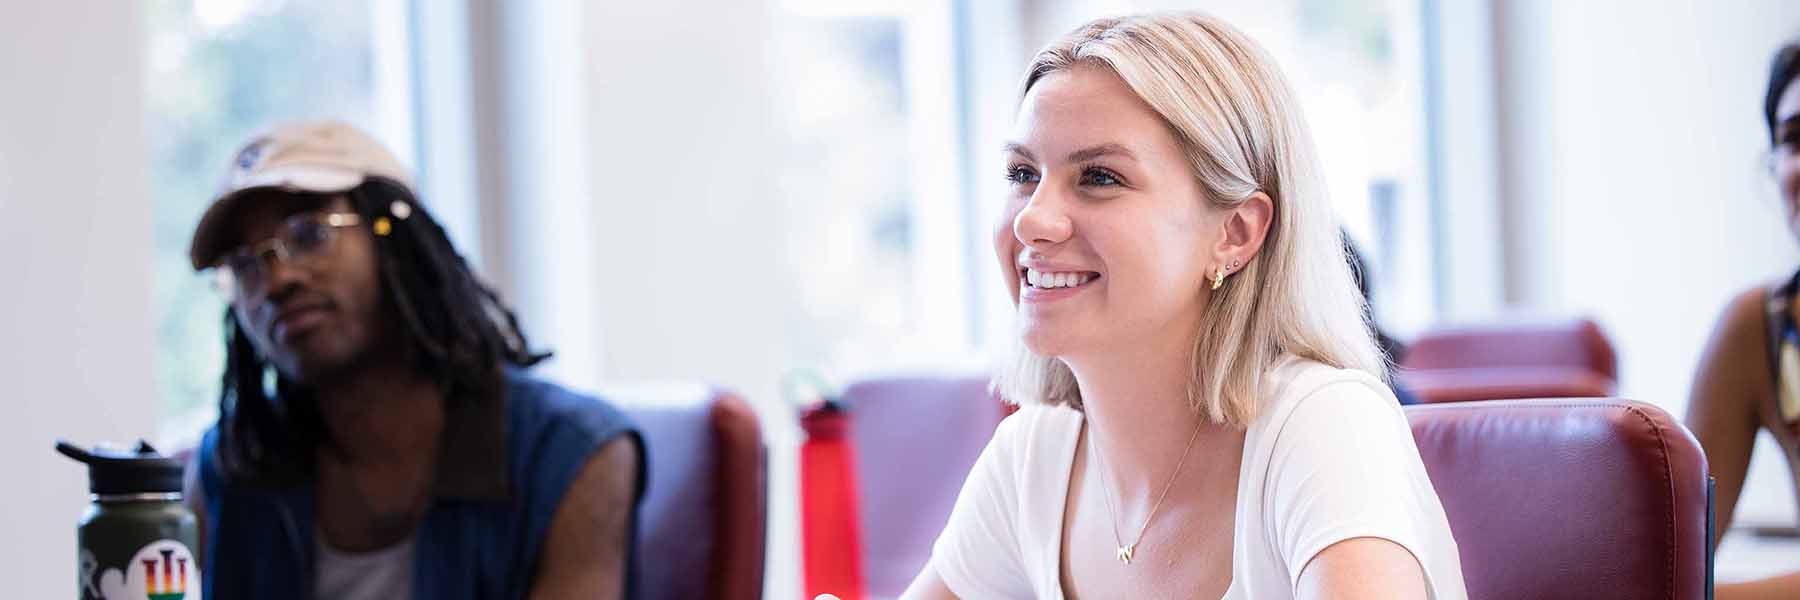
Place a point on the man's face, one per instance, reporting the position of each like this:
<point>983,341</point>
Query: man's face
<point>318,313</point>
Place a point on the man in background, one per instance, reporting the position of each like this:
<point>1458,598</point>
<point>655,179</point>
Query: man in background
<point>378,436</point>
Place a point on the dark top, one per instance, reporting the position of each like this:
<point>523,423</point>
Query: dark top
<point>1780,323</point>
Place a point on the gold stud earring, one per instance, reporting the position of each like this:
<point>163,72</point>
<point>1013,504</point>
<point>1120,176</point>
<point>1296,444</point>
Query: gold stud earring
<point>383,226</point>
<point>1218,278</point>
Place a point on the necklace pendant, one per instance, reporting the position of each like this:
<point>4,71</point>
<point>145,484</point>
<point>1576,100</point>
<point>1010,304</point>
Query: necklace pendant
<point>1125,553</point>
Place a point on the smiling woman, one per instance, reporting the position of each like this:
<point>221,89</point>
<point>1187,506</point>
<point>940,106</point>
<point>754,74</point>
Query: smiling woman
<point>1314,307</point>
<point>1749,377</point>
<point>1205,414</point>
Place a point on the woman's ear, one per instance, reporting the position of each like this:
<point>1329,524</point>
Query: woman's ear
<point>1246,226</point>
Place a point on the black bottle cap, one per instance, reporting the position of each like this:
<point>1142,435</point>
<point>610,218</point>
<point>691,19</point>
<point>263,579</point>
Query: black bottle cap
<point>115,472</point>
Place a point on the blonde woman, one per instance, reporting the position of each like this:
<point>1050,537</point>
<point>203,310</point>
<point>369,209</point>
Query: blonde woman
<point>1204,413</point>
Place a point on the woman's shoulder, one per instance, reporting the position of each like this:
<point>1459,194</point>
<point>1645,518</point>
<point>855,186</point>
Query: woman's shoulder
<point>1298,384</point>
<point>1737,364</point>
<point>1745,317</point>
<point>1031,450</point>
<point>1035,425</point>
<point>1316,408</point>
<point>1741,335</point>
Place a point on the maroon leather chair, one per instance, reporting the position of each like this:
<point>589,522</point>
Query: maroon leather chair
<point>1504,383</point>
<point>1576,343</point>
<point>1540,359</point>
<point>1585,498</point>
<point>701,527</point>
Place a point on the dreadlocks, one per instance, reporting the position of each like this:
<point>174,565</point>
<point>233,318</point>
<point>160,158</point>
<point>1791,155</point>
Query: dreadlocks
<point>462,334</point>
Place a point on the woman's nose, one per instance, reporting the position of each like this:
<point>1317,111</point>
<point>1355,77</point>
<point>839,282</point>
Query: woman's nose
<point>1042,221</point>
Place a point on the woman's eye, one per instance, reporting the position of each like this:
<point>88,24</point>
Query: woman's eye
<point>1100,177</point>
<point>1020,175</point>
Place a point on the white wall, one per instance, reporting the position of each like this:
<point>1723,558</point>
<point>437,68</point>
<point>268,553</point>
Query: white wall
<point>74,264</point>
<point>686,230</point>
<point>1634,141</point>
<point>549,238</point>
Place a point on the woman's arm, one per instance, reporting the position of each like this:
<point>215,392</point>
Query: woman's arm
<point>1362,568</point>
<point>1733,378</point>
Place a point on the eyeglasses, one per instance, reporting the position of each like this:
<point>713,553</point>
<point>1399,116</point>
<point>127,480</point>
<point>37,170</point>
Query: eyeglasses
<point>245,271</point>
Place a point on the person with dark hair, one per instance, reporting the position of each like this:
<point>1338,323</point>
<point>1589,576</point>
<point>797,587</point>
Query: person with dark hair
<point>377,435</point>
<point>1392,349</point>
<point>1749,374</point>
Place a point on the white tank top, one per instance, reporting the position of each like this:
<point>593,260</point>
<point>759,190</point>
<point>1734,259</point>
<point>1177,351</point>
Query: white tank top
<point>384,574</point>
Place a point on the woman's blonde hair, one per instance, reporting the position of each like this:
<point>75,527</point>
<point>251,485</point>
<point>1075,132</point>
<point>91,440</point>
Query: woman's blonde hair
<point>1237,121</point>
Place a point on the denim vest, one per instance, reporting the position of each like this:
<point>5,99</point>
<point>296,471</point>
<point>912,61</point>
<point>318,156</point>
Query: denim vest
<point>502,476</point>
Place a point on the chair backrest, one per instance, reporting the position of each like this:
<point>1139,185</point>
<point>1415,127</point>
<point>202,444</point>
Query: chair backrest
<point>701,527</point>
<point>915,440</point>
<point>1585,498</point>
<point>1571,343</point>
<point>1503,383</point>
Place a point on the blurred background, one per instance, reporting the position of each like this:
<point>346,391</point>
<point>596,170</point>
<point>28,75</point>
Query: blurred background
<point>731,191</point>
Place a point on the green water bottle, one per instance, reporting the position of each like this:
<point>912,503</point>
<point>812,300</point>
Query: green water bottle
<point>136,540</point>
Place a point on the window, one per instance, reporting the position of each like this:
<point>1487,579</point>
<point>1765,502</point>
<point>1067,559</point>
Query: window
<point>219,71</point>
<point>1357,67</point>
<point>871,181</point>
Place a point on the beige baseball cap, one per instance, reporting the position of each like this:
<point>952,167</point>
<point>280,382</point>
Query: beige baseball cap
<point>323,157</point>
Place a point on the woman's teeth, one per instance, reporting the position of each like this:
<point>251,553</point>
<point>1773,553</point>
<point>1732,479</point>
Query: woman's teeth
<point>1050,280</point>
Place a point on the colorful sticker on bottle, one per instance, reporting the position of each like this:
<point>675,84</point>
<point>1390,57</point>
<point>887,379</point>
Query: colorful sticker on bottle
<point>161,570</point>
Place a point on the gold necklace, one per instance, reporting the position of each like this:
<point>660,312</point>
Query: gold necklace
<point>1126,551</point>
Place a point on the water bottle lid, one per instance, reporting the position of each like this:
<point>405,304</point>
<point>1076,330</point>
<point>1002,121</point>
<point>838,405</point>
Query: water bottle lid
<point>139,471</point>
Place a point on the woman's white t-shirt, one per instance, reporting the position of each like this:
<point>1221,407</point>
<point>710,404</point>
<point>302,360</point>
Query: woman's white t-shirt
<point>1330,458</point>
